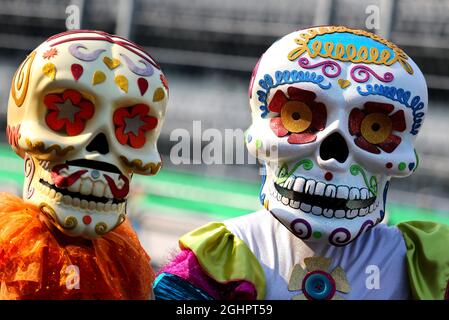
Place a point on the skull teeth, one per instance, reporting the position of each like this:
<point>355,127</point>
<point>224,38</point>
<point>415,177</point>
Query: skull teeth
<point>312,187</point>
<point>317,188</point>
<point>87,185</point>
<point>77,203</point>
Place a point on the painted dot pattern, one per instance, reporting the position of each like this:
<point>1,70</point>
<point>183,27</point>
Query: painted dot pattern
<point>95,174</point>
<point>317,234</point>
<point>87,219</point>
<point>328,176</point>
<point>402,166</point>
<point>318,285</point>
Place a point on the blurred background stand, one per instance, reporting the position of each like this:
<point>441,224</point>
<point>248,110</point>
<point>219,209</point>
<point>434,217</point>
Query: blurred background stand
<point>207,49</point>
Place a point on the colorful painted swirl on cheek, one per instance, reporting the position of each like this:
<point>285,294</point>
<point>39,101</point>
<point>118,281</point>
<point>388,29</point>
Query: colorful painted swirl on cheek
<point>342,236</point>
<point>301,228</point>
<point>29,174</point>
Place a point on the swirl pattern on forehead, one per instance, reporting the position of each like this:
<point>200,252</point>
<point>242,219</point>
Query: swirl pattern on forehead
<point>326,65</point>
<point>78,35</point>
<point>345,44</point>
<point>364,74</point>
<point>144,72</point>
<point>74,50</point>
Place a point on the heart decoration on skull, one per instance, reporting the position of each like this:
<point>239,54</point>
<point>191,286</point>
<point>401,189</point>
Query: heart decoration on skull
<point>85,112</point>
<point>335,113</point>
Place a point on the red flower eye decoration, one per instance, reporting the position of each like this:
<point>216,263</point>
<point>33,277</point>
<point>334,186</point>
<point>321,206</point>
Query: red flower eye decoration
<point>374,126</point>
<point>300,117</point>
<point>68,112</point>
<point>131,124</point>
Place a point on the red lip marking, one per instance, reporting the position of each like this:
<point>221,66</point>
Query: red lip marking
<point>64,182</point>
<point>118,193</point>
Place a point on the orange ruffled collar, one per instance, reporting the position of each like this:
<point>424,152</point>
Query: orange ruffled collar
<point>36,262</point>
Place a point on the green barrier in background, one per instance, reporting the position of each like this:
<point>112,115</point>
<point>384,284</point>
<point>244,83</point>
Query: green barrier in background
<point>171,191</point>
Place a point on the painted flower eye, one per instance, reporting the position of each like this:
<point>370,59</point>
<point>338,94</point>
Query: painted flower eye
<point>132,123</point>
<point>68,112</point>
<point>296,116</point>
<point>376,128</point>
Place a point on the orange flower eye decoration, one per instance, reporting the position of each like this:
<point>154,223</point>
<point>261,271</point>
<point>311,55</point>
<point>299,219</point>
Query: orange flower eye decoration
<point>374,127</point>
<point>132,123</point>
<point>300,117</point>
<point>68,112</point>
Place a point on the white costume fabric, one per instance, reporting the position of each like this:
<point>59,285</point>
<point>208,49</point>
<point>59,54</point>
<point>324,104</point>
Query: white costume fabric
<point>378,254</point>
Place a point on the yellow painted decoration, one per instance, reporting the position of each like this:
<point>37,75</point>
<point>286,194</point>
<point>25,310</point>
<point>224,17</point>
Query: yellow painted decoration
<point>317,263</point>
<point>49,70</point>
<point>265,204</point>
<point>343,83</point>
<point>348,52</point>
<point>149,168</point>
<point>158,95</point>
<point>376,127</point>
<point>38,147</point>
<point>298,274</point>
<point>21,80</point>
<point>98,77</point>
<point>111,63</point>
<point>296,116</point>
<point>122,82</point>
<point>296,277</point>
<point>223,256</point>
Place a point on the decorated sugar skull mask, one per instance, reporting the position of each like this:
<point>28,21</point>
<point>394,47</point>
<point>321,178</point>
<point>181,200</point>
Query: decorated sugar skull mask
<point>335,115</point>
<point>85,112</point>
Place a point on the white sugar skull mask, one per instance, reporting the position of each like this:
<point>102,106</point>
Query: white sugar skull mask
<point>335,115</point>
<point>85,112</point>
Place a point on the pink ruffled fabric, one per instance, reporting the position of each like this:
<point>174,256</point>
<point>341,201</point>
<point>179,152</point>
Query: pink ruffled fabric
<point>186,266</point>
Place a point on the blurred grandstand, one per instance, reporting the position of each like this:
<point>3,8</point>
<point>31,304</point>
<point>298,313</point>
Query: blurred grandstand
<point>207,49</point>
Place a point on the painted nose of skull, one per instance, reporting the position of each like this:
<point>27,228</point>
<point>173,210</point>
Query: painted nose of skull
<point>334,147</point>
<point>99,144</point>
